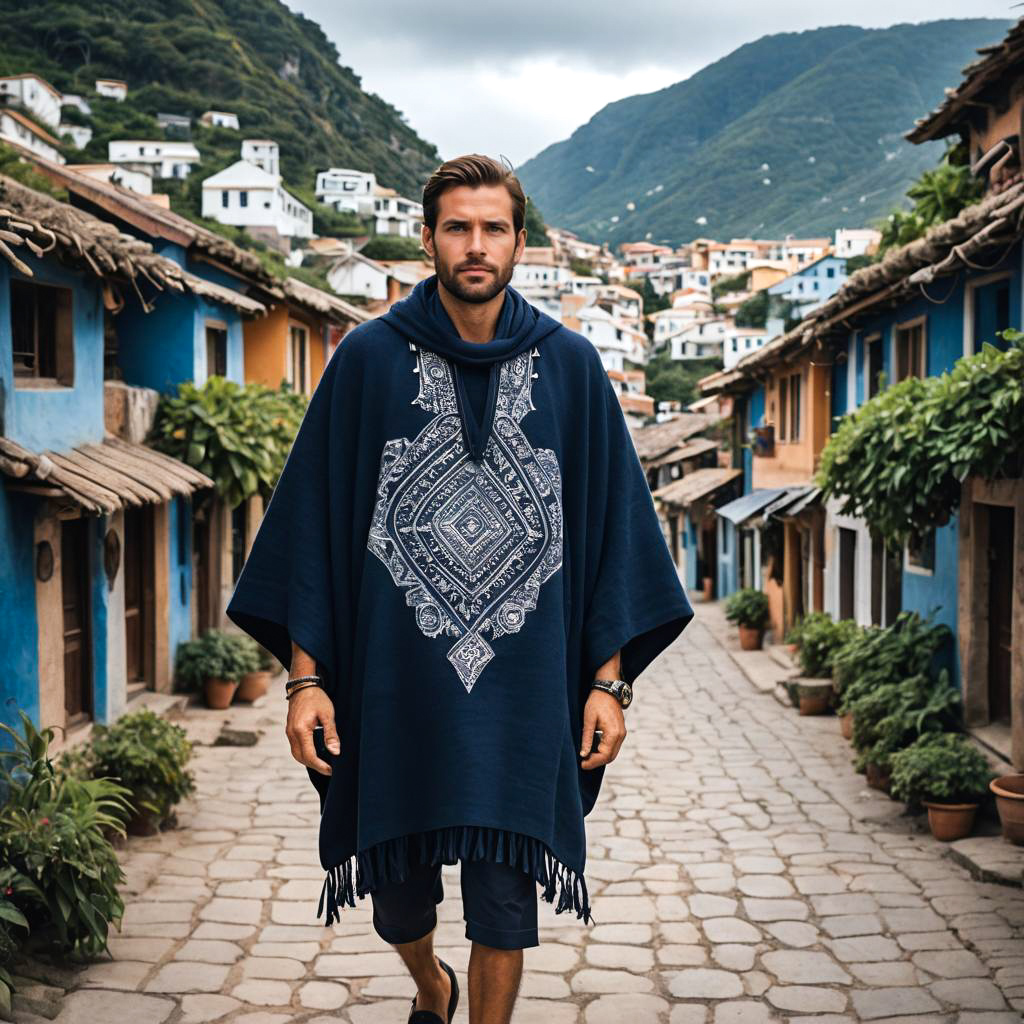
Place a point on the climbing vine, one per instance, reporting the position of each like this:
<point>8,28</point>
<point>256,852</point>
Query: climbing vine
<point>900,459</point>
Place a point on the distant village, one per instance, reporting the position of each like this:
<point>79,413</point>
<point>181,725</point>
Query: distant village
<point>116,299</point>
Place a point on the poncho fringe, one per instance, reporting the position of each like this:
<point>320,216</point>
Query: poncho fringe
<point>388,862</point>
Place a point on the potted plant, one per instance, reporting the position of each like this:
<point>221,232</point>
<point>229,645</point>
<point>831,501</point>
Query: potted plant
<point>708,588</point>
<point>256,680</point>
<point>1009,794</point>
<point>947,775</point>
<point>748,608</point>
<point>148,755</point>
<point>213,663</point>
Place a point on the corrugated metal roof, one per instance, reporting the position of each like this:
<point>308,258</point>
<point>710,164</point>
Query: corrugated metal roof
<point>747,505</point>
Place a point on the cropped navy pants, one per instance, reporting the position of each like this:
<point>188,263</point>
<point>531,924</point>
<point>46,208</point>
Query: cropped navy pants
<point>499,905</point>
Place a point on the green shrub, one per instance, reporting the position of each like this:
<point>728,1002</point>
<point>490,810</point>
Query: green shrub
<point>748,608</point>
<point>892,716</point>
<point>820,639</point>
<point>796,631</point>
<point>217,654</point>
<point>61,870</point>
<point>873,656</point>
<point>942,767</point>
<point>147,754</point>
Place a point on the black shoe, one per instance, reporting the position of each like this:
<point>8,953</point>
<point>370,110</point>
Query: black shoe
<point>425,1016</point>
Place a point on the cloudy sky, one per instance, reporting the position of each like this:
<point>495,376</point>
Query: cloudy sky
<point>512,77</point>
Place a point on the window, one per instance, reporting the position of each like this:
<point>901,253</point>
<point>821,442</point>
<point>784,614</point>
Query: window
<point>921,552</point>
<point>42,342</point>
<point>224,198</point>
<point>831,271</point>
<point>216,350</point>
<point>847,572</point>
<point>873,364</point>
<point>910,350</point>
<point>243,198</point>
<point>789,407</point>
<point>298,357</point>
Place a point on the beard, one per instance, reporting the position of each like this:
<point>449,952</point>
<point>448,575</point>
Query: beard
<point>492,285</point>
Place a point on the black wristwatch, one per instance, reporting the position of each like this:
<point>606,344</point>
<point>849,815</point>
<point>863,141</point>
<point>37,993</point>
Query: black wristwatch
<point>618,688</point>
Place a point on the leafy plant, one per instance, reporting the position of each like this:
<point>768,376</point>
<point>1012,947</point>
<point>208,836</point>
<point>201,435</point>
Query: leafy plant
<point>893,716</point>
<point>901,458</point>
<point>53,837</point>
<point>11,918</point>
<point>796,631</point>
<point>147,754</point>
<point>748,608</point>
<point>873,657</point>
<point>217,654</point>
<point>940,767</point>
<point>239,435</point>
<point>820,638</point>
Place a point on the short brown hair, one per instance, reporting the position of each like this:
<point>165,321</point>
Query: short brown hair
<point>473,170</point>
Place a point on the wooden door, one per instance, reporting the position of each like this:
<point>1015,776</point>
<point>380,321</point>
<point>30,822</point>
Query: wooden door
<point>847,572</point>
<point>1000,608</point>
<point>139,596</point>
<point>75,576</point>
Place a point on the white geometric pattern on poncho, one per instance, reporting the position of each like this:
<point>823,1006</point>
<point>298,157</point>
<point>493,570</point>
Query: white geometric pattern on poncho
<point>472,542</point>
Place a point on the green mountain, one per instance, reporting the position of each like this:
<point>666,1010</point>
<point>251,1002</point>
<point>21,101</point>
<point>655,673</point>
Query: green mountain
<point>276,69</point>
<point>795,133</point>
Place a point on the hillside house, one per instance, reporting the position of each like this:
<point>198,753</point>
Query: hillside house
<point>219,119</point>
<point>538,268</point>
<point>812,284</point>
<point>24,133</point>
<point>702,339</point>
<point>34,94</point>
<point>163,158</point>
<point>347,190</point>
<point>394,215</point>
<point>264,153</point>
<point>850,242</point>
<point>112,89</point>
<point>77,135</point>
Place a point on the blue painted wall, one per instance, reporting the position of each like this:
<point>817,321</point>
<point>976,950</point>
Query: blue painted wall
<point>755,418</point>
<point>99,597</point>
<point>180,576</point>
<point>19,630</point>
<point>934,594</point>
<point>56,417</point>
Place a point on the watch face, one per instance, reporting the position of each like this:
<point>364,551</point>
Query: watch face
<point>627,695</point>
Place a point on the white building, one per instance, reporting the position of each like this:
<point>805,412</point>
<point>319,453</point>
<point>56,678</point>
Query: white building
<point>220,119</point>
<point>166,159</point>
<point>78,102</point>
<point>112,88</point>
<point>136,180</point>
<point>702,340</point>
<point>34,94</point>
<point>394,215</point>
<point>79,134</point>
<point>538,268</point>
<point>17,128</point>
<point>668,279</point>
<point>856,241</point>
<point>669,322</point>
<point>614,339</point>
<point>263,153</point>
<point>740,342</point>
<point>247,196</point>
<point>347,190</point>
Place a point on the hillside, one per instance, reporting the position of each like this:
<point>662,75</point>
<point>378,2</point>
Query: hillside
<point>274,68</point>
<point>825,110</point>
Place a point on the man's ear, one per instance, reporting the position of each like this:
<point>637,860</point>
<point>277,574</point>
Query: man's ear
<point>427,240</point>
<point>520,246</point>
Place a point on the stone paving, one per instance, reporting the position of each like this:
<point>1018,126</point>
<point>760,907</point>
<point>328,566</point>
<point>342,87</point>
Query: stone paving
<point>740,874</point>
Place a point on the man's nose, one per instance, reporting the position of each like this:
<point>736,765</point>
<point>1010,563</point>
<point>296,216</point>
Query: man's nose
<point>476,240</point>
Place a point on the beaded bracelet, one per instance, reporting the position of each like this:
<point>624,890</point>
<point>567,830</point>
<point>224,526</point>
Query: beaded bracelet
<point>291,683</point>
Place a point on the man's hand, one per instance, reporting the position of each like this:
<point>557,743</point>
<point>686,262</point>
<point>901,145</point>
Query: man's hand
<point>602,711</point>
<point>309,707</point>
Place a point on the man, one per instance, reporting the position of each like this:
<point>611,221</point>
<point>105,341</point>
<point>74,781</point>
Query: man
<point>463,566</point>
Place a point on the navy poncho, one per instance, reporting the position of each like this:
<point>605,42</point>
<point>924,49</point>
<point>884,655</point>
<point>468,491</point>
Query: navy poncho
<point>459,574</point>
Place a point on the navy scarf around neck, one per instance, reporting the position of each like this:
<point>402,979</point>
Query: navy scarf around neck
<point>459,574</point>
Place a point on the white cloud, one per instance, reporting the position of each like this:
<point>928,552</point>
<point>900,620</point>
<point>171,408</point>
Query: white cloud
<point>514,78</point>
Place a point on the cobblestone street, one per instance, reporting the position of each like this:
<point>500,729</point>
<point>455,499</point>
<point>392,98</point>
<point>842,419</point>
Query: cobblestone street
<point>740,871</point>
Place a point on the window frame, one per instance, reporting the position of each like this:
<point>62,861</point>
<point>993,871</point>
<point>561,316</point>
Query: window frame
<point>61,357</point>
<point>216,325</point>
<point>899,331</point>
<point>294,328</point>
<point>921,559</point>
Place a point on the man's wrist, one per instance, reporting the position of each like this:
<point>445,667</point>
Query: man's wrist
<point>617,688</point>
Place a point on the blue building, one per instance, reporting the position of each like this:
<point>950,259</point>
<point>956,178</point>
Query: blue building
<point>96,556</point>
<point>811,285</point>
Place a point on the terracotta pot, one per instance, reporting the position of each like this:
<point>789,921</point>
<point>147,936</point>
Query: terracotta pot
<point>1009,793</point>
<point>793,649</point>
<point>846,725</point>
<point>253,685</point>
<point>219,693</point>
<point>814,700</point>
<point>143,823</point>
<point>878,778</point>
<point>708,584</point>
<point>750,639</point>
<point>950,821</point>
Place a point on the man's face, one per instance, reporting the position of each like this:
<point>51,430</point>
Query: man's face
<point>474,243</point>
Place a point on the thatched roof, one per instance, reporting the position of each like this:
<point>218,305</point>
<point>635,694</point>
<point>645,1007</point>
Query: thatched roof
<point>33,222</point>
<point>659,438</point>
<point>323,303</point>
<point>989,69</point>
<point>100,478</point>
<point>696,485</point>
<point>160,223</point>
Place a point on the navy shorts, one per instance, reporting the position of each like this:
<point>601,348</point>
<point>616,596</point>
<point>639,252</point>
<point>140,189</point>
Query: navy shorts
<point>499,905</point>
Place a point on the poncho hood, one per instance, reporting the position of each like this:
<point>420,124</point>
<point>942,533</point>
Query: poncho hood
<point>422,320</point>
